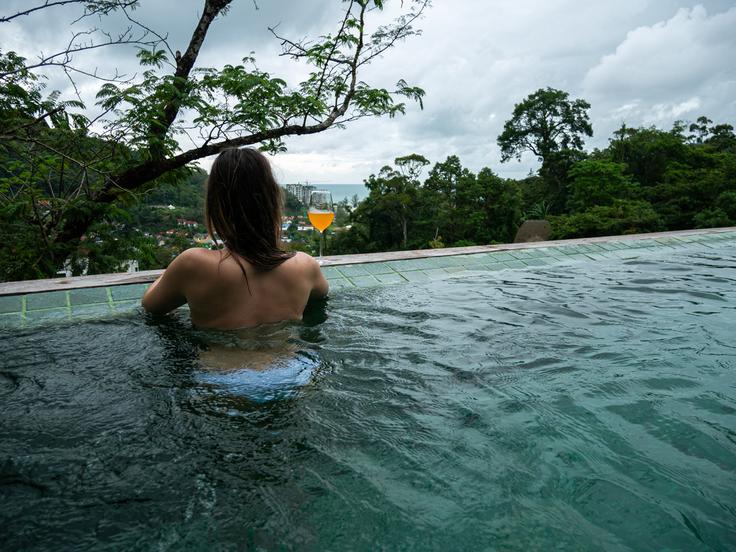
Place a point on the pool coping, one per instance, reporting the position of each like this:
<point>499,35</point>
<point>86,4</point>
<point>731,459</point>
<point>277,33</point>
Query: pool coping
<point>26,287</point>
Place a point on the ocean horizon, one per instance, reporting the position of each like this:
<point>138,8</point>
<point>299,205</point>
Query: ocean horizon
<point>342,191</point>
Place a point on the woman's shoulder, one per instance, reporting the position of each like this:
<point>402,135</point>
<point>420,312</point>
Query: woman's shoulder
<point>195,259</point>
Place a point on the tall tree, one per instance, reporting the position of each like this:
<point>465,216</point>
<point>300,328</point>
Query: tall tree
<point>545,122</point>
<point>551,126</point>
<point>64,164</point>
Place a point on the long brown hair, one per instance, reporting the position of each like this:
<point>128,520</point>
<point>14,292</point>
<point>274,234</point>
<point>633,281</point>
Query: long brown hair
<point>243,209</point>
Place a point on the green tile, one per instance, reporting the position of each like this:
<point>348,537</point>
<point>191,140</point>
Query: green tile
<point>408,264</point>
<point>47,315</point>
<point>579,257</point>
<point>496,266</point>
<point>538,262</point>
<point>608,254</point>
<point>435,273</point>
<point>128,292</point>
<point>47,300</point>
<point>88,296</point>
<point>379,268</point>
<point>340,283</point>
<point>435,263</point>
<point>626,254</point>
<point>521,254</point>
<point>515,264</point>
<point>426,263</point>
<point>330,272</point>
<point>127,306</point>
<point>453,260</point>
<point>453,269</point>
<point>502,256</point>
<point>11,321</point>
<point>415,276</point>
<point>488,258</point>
<point>666,241</point>
<point>353,270</point>
<point>540,252</point>
<point>558,252</point>
<point>10,303</point>
<point>364,281</point>
<point>98,310</point>
<point>473,260</point>
<point>393,278</point>
<point>596,256</point>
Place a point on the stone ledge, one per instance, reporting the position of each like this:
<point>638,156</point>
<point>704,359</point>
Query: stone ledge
<point>144,277</point>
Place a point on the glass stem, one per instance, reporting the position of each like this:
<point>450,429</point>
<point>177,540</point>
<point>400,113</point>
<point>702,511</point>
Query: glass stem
<point>321,239</point>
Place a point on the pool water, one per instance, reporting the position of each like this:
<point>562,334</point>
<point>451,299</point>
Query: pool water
<point>586,406</point>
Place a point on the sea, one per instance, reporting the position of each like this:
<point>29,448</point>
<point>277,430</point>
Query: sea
<point>342,191</point>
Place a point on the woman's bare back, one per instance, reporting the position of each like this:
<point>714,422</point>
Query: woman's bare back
<point>213,285</point>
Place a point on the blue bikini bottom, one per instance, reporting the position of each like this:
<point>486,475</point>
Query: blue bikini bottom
<point>281,380</point>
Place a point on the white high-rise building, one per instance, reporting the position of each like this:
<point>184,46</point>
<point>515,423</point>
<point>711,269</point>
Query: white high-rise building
<point>301,191</point>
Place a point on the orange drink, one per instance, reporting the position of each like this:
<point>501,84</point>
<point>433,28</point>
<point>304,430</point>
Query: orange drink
<point>321,220</point>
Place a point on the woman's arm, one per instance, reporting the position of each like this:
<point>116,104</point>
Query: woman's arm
<point>320,287</point>
<point>168,292</point>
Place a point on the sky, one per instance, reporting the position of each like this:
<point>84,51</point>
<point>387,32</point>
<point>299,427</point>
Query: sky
<point>638,62</point>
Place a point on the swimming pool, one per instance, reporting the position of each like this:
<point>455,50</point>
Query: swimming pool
<point>582,405</point>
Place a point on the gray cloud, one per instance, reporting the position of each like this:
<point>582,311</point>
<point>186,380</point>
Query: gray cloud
<point>636,61</point>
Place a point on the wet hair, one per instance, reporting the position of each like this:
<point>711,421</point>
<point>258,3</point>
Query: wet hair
<point>243,208</point>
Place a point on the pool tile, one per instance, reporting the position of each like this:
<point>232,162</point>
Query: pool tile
<point>408,264</point>
<point>474,260</point>
<point>538,262</point>
<point>453,261</point>
<point>393,278</point>
<point>88,296</point>
<point>515,264</point>
<point>625,254</point>
<point>521,254</point>
<point>97,310</point>
<point>47,300</point>
<point>11,321</point>
<point>495,266</point>
<point>595,256</point>
<point>379,268</point>
<point>364,281</point>
<point>339,283</point>
<point>127,306</point>
<point>540,252</point>
<point>128,292</point>
<point>558,252</point>
<point>502,256</point>
<point>330,272</point>
<point>454,269</point>
<point>10,303</point>
<point>435,273</point>
<point>415,276</point>
<point>353,270</point>
<point>48,315</point>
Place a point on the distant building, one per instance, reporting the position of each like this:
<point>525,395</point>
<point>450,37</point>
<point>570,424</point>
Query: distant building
<point>301,191</point>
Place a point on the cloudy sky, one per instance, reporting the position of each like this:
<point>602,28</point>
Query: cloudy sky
<point>642,62</point>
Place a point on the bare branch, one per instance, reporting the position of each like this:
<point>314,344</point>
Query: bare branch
<point>45,5</point>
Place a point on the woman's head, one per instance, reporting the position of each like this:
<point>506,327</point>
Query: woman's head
<point>243,207</point>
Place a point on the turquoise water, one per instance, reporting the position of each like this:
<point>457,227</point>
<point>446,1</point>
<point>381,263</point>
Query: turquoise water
<point>587,406</point>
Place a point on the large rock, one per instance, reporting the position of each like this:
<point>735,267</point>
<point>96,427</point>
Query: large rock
<point>532,231</point>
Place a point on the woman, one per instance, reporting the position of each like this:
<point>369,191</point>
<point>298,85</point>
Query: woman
<point>250,281</point>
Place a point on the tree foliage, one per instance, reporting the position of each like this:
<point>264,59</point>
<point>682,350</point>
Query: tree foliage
<point>545,122</point>
<point>66,165</point>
